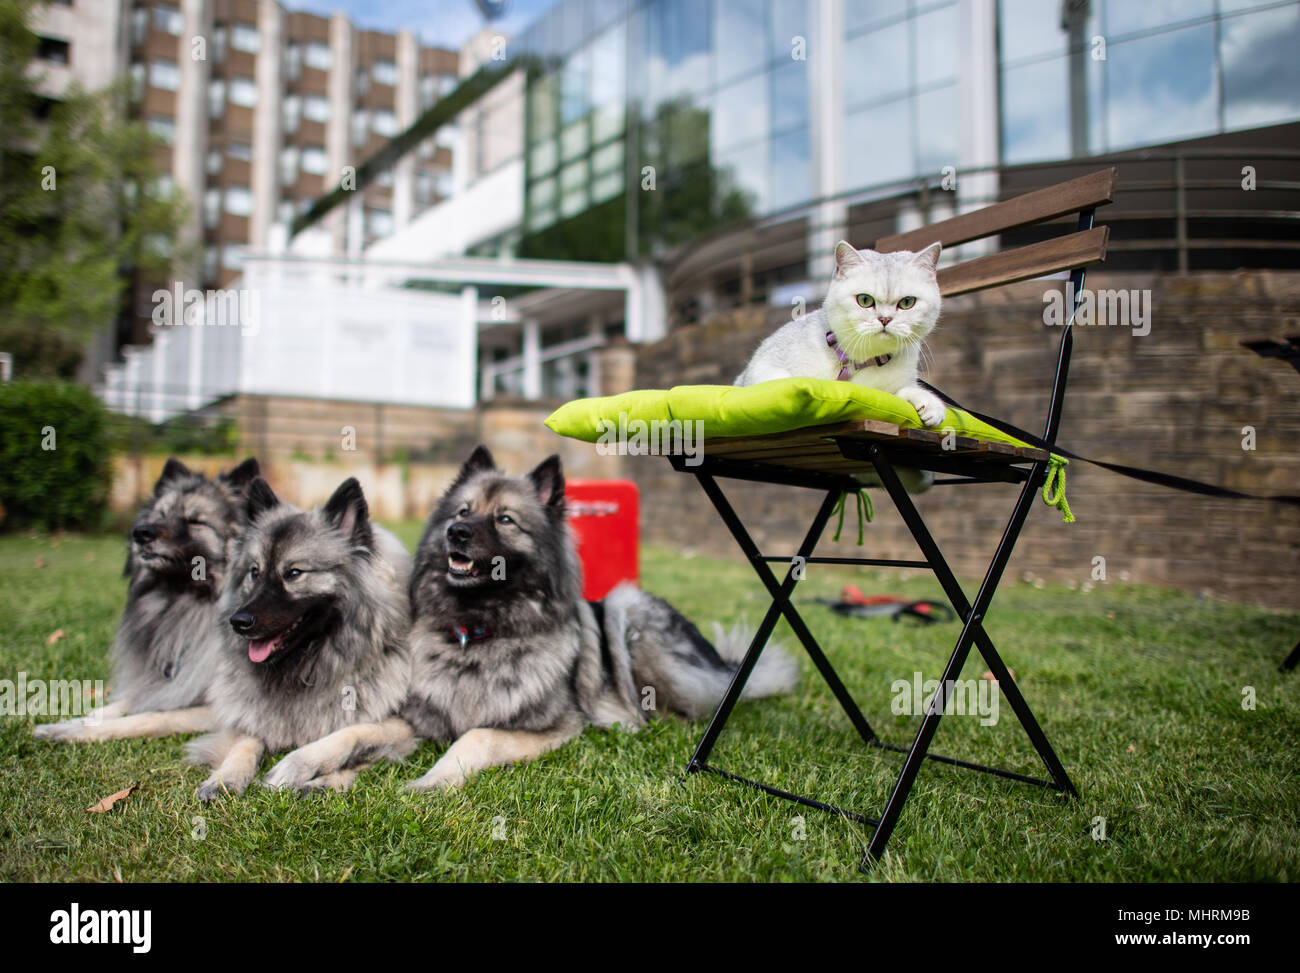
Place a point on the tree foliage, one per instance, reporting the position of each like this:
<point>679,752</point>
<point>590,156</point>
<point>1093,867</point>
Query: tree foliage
<point>83,207</point>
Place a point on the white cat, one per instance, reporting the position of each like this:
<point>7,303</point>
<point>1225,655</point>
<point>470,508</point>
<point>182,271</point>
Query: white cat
<point>878,310</point>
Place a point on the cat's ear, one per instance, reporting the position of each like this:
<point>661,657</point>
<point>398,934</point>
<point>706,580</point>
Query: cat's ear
<point>929,257</point>
<point>846,258</point>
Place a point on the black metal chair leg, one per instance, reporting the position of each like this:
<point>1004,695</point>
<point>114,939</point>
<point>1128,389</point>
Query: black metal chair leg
<point>781,593</point>
<point>971,628</point>
<point>780,597</point>
<point>1291,661</point>
<point>957,597</point>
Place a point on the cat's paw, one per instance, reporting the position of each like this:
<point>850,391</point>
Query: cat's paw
<point>927,405</point>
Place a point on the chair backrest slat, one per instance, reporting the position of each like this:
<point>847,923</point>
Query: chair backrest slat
<point>1023,263</point>
<point>1095,189</point>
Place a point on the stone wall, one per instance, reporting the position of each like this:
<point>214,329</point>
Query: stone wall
<point>1175,400</point>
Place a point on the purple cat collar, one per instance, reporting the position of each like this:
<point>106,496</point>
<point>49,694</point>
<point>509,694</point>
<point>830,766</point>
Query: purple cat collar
<point>847,367</point>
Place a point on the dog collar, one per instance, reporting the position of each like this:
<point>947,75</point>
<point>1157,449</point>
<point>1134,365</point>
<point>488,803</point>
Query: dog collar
<point>847,367</point>
<point>466,635</point>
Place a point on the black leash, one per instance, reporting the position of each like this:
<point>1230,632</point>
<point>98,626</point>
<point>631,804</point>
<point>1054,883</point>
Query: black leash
<point>1133,472</point>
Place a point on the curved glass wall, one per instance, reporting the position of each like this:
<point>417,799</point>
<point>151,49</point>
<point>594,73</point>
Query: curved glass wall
<point>710,101</point>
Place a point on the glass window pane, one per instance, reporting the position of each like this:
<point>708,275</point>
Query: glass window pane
<point>543,193</point>
<point>575,79</point>
<point>1030,28</point>
<point>740,113</point>
<point>607,123</point>
<point>1035,112</point>
<point>543,102</point>
<point>789,20</point>
<point>935,37</point>
<point>1125,16</point>
<point>684,41</point>
<point>867,13</point>
<point>743,175</point>
<point>573,176</point>
<point>573,203</point>
<point>543,158</point>
<point>877,65</point>
<point>937,129</point>
<point>791,169</point>
<point>686,135</point>
<point>745,22</point>
<point>1161,88</point>
<point>878,145</point>
<point>608,159</point>
<point>608,65</point>
<point>573,142</point>
<point>790,108</point>
<point>1261,71</point>
<point>606,187</point>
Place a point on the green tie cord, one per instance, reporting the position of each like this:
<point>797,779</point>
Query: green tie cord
<point>1054,487</point>
<point>865,514</point>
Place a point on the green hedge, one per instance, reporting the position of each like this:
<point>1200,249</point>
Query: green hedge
<point>57,488</point>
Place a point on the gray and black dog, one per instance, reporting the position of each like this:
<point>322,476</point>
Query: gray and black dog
<point>509,661</point>
<point>315,641</point>
<point>165,653</point>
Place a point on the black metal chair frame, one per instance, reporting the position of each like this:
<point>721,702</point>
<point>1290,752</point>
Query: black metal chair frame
<point>885,456</point>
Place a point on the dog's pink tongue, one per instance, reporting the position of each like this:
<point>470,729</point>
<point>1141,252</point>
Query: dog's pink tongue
<point>259,650</point>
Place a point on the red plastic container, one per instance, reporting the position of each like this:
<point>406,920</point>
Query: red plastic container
<point>605,516</point>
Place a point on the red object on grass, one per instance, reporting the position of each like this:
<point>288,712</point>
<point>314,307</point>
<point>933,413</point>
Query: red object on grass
<point>605,516</point>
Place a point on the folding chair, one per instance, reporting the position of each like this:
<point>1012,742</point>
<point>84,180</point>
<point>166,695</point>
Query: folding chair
<point>832,458</point>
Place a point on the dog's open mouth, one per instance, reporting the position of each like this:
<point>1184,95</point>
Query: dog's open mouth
<point>461,566</point>
<point>259,650</point>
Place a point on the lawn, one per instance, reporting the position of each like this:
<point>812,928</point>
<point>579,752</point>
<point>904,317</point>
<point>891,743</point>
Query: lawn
<point>1140,689</point>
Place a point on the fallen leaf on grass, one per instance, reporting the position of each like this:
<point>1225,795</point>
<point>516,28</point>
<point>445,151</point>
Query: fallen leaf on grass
<point>106,804</point>
<point>57,634</point>
<point>40,562</point>
<point>988,674</point>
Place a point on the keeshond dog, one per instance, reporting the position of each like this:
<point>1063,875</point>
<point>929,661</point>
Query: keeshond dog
<point>509,661</point>
<point>315,640</point>
<point>165,653</point>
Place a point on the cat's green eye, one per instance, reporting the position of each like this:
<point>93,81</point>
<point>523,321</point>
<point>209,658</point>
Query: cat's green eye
<point>866,300</point>
<point>906,302</point>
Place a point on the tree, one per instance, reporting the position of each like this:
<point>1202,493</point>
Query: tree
<point>83,208</point>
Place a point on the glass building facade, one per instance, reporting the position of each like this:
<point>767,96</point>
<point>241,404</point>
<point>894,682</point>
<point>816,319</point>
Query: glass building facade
<point>1157,71</point>
<point>710,102</point>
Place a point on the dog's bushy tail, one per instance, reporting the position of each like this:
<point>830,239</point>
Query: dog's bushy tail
<point>774,673</point>
<point>689,674</point>
<point>696,673</point>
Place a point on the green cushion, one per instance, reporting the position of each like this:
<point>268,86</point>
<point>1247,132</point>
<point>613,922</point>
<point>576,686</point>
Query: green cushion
<point>777,406</point>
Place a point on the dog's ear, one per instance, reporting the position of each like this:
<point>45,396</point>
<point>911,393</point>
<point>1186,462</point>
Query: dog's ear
<point>242,475</point>
<point>260,498</point>
<point>349,514</point>
<point>479,460</point>
<point>548,479</point>
<point>174,469</point>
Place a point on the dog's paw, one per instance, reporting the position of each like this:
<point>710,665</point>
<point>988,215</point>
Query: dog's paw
<point>291,773</point>
<point>68,731</point>
<point>339,780</point>
<point>215,787</point>
<point>437,780</point>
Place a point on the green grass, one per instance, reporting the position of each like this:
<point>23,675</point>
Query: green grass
<point>1140,689</point>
